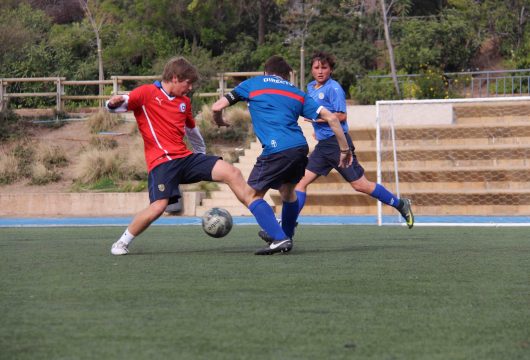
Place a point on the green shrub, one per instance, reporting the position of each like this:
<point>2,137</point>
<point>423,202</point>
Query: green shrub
<point>432,84</point>
<point>11,125</point>
<point>368,90</point>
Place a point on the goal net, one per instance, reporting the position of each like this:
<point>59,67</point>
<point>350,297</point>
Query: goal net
<point>456,159</point>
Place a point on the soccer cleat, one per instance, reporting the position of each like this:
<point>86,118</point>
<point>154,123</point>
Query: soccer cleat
<point>267,238</point>
<point>278,246</point>
<point>119,248</point>
<point>406,212</point>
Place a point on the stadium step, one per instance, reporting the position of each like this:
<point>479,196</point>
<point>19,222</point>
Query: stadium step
<point>478,165</point>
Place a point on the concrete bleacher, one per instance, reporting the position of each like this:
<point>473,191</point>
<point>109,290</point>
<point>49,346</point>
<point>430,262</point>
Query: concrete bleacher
<point>476,164</point>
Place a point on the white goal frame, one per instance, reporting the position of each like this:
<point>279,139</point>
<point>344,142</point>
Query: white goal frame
<point>381,103</point>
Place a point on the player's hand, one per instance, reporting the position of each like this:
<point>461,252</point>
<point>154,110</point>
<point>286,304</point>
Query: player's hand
<point>345,159</point>
<point>219,120</point>
<point>115,101</point>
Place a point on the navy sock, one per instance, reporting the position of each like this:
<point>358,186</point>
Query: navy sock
<point>266,219</point>
<point>301,200</point>
<point>385,196</point>
<point>289,216</point>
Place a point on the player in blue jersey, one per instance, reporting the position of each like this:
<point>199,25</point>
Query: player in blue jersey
<point>275,106</point>
<point>328,93</point>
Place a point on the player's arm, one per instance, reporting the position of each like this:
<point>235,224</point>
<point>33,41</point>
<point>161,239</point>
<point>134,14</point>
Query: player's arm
<point>196,140</point>
<point>117,103</point>
<point>334,123</point>
<point>228,100</point>
<point>340,115</point>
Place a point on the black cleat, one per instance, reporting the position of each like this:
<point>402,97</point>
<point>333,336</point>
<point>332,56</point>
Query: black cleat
<point>267,238</point>
<point>406,212</point>
<point>278,246</point>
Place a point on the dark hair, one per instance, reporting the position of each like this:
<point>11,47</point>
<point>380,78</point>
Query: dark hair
<point>180,68</point>
<point>276,65</point>
<point>324,58</point>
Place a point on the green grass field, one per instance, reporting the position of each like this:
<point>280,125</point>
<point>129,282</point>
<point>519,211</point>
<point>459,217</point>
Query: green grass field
<point>345,292</point>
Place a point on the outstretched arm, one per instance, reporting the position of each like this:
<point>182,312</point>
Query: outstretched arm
<point>117,103</point>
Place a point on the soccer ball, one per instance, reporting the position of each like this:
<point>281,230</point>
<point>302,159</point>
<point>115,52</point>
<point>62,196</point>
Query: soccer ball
<point>217,222</point>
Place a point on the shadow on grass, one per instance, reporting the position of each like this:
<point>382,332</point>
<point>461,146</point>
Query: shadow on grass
<point>250,250</point>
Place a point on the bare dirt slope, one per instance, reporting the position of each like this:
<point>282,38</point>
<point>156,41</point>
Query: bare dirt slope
<point>73,137</point>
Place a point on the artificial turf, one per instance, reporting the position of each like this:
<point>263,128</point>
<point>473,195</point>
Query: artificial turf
<point>344,292</point>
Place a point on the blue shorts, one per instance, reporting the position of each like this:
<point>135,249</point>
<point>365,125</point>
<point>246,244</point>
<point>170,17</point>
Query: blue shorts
<point>274,170</point>
<point>326,156</point>
<point>164,180</point>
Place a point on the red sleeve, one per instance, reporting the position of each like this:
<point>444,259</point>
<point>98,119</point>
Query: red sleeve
<point>190,121</point>
<point>136,98</point>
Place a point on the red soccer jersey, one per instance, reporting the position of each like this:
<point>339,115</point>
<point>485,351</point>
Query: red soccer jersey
<point>161,120</point>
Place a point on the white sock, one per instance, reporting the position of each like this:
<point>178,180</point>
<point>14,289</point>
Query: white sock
<point>127,237</point>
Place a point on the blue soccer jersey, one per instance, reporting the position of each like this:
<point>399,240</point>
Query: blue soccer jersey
<point>332,97</point>
<point>275,106</point>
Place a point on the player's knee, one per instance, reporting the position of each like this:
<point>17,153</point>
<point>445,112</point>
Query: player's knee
<point>363,185</point>
<point>233,176</point>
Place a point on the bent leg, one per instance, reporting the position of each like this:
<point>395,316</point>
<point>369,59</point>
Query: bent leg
<point>140,222</point>
<point>251,198</point>
<point>363,185</point>
<point>147,216</point>
<point>376,191</point>
<point>230,175</point>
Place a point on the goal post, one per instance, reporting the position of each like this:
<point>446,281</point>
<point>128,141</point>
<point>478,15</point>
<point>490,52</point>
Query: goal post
<point>456,159</point>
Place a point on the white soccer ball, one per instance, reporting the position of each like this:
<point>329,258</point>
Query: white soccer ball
<point>217,222</point>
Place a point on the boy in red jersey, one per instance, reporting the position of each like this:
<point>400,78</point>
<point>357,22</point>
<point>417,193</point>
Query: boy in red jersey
<point>163,113</point>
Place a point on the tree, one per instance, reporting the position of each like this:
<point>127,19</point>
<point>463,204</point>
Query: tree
<point>297,19</point>
<point>96,19</point>
<point>389,46</point>
<point>387,8</point>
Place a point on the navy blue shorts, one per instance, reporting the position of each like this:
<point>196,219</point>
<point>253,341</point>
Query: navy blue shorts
<point>326,156</point>
<point>164,180</point>
<point>274,170</point>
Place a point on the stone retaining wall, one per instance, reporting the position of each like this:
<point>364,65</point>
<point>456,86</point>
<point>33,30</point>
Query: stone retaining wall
<point>84,204</point>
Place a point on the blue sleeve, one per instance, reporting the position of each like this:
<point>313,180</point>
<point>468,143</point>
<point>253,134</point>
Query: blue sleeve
<point>310,108</point>
<point>243,89</point>
<point>337,98</point>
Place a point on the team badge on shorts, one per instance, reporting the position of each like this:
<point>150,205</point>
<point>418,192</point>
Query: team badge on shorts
<point>161,187</point>
<point>182,107</point>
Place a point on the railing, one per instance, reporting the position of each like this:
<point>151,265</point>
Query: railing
<point>477,83</point>
<point>61,85</point>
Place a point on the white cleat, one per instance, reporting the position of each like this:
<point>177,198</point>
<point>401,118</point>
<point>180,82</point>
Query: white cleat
<point>119,248</point>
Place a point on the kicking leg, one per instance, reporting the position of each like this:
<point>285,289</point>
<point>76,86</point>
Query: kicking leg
<point>253,199</point>
<point>379,192</point>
